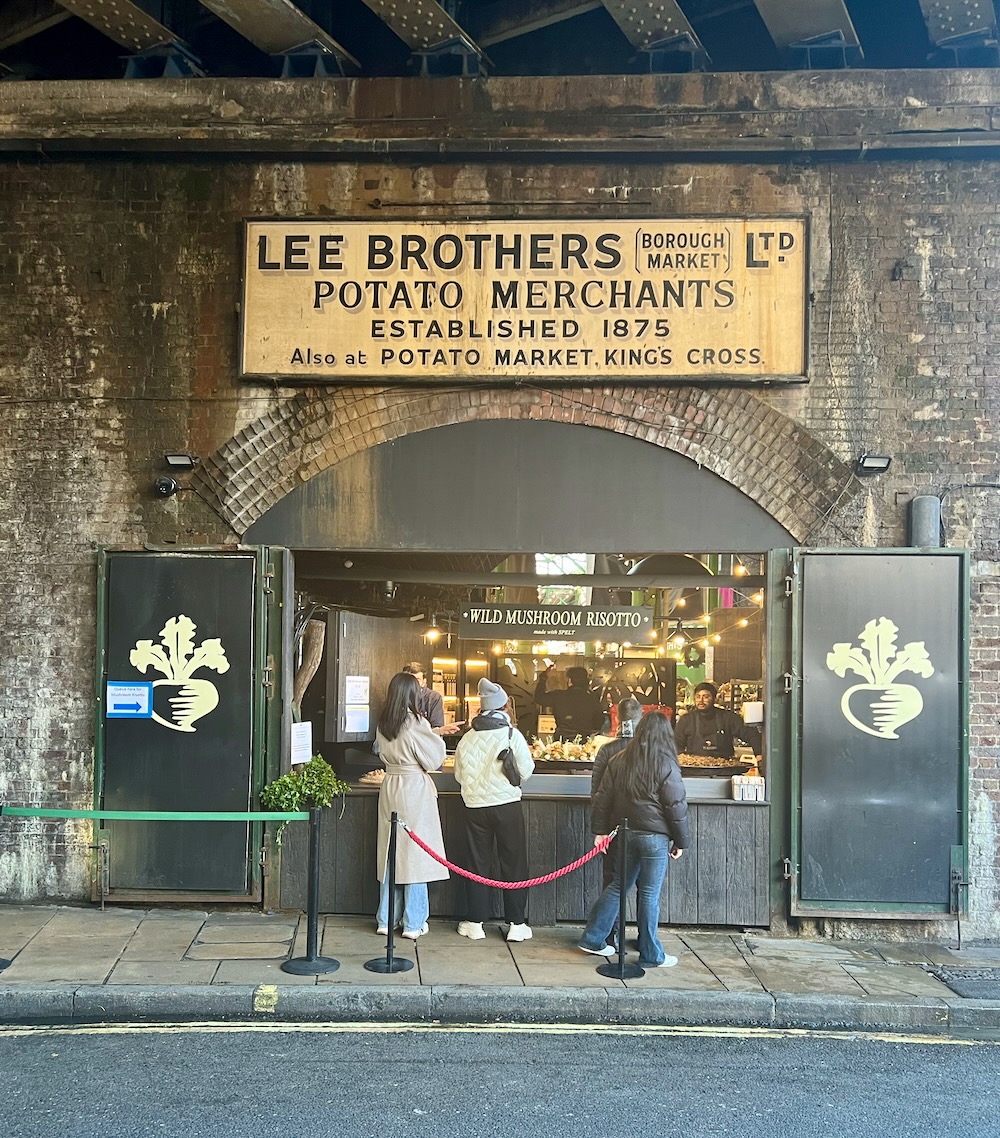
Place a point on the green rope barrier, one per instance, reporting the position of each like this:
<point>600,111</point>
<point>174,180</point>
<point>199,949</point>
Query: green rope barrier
<point>156,815</point>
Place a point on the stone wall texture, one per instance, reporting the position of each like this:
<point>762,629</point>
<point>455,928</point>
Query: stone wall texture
<point>120,278</point>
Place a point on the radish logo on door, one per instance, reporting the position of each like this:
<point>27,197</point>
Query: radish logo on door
<point>881,704</point>
<point>177,659</point>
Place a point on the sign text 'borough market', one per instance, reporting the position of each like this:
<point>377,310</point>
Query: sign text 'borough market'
<point>652,300</point>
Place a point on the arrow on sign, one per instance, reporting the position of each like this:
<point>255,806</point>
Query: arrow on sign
<point>126,706</point>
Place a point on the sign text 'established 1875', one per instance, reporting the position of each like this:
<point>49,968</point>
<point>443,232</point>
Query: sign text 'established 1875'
<point>555,622</point>
<point>657,300</point>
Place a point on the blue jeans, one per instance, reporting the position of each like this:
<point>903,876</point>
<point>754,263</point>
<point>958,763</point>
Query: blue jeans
<point>646,868</point>
<point>411,906</point>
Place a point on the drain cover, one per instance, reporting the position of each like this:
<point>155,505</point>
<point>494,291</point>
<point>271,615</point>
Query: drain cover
<point>972,983</point>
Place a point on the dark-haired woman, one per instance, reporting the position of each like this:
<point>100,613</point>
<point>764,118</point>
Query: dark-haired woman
<point>644,785</point>
<point>409,748</point>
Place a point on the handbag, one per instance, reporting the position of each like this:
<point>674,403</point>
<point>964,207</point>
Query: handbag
<point>508,763</point>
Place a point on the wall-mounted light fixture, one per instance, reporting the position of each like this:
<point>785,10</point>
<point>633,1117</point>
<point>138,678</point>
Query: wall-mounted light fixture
<point>867,464</point>
<point>180,462</point>
<point>433,631</point>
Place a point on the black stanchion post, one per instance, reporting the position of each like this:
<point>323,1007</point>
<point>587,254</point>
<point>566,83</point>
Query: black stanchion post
<point>391,963</point>
<point>621,970</point>
<point>312,964</point>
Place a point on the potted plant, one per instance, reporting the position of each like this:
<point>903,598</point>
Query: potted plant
<point>312,785</point>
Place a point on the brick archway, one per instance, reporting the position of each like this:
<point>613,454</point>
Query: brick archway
<point>730,431</point>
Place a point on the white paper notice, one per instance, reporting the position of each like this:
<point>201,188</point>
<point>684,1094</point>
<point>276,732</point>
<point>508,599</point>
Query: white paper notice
<point>356,690</point>
<point>356,720</point>
<point>302,743</point>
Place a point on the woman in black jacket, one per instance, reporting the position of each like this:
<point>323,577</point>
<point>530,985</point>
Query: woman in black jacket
<point>644,785</point>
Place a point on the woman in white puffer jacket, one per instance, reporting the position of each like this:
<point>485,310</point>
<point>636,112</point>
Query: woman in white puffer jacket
<point>494,816</point>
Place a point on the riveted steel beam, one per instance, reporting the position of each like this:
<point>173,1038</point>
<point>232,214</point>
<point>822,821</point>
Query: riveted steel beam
<point>794,22</point>
<point>958,19</point>
<point>276,26</point>
<point>123,22</point>
<point>423,25</point>
<point>648,23</point>
<point>22,19</point>
<point>520,17</point>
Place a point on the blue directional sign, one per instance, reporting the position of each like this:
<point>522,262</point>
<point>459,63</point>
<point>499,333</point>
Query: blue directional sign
<point>129,701</point>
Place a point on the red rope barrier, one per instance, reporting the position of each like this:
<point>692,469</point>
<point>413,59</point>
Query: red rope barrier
<point>600,848</point>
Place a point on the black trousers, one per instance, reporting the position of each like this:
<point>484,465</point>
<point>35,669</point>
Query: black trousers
<point>499,829</point>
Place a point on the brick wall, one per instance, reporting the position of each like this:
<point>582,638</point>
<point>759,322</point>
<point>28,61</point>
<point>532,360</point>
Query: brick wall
<point>120,279</point>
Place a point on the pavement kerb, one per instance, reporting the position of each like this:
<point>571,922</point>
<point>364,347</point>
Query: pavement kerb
<point>854,1013</point>
<point>123,1003</point>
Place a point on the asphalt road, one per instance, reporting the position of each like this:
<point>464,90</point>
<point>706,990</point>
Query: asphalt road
<point>584,1083</point>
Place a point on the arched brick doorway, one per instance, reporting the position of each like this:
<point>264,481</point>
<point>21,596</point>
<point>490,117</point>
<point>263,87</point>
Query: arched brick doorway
<point>731,432</point>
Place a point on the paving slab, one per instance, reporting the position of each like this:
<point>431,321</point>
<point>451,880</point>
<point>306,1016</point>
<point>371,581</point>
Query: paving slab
<point>162,940</point>
<point>256,972</point>
<point>18,928</point>
<point>243,950</point>
<point>352,971</point>
<point>559,975</point>
<point>148,972</point>
<point>787,977</point>
<point>811,951</point>
<point>476,963</point>
<point>897,980</point>
<point>721,956</point>
<point>228,932</point>
<point>92,922</point>
<point>74,969</point>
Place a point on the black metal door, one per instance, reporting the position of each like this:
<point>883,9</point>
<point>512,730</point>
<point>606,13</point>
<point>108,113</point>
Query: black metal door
<point>879,786</point>
<point>181,711</point>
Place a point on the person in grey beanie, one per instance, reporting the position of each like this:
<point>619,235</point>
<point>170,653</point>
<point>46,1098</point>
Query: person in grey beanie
<point>494,816</point>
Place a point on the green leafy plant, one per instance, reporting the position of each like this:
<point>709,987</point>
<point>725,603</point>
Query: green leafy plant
<point>302,788</point>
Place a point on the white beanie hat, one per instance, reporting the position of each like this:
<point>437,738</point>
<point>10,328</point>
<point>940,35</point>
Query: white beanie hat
<point>492,697</point>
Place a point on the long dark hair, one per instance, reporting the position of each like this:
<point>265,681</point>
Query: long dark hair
<point>651,750</point>
<point>400,700</point>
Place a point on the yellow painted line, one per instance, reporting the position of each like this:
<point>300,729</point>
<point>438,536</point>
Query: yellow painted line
<point>265,998</point>
<point>557,1029</point>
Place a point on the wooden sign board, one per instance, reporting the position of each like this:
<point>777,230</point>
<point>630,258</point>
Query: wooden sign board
<point>652,300</point>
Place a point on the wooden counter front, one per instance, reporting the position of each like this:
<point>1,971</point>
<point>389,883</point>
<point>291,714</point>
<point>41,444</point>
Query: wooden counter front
<point>721,880</point>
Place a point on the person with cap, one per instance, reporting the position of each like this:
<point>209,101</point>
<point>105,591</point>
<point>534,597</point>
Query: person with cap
<point>430,702</point>
<point>577,710</point>
<point>710,730</point>
<point>494,816</point>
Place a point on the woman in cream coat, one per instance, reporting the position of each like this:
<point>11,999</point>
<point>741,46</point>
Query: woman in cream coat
<point>409,748</point>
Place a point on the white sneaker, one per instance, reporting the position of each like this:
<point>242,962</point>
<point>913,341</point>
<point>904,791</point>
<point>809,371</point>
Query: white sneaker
<point>667,962</point>
<point>472,929</point>
<point>519,932</point>
<point>414,933</point>
<point>604,950</point>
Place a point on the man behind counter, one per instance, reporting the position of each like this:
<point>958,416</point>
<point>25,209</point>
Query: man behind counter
<point>577,710</point>
<point>710,730</point>
<point>429,702</point>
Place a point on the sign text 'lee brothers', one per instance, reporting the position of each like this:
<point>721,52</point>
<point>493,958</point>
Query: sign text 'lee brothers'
<point>683,298</point>
<point>555,622</point>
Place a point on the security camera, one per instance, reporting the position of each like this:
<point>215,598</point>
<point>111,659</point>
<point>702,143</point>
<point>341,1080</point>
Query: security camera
<point>165,487</point>
<point>389,590</point>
